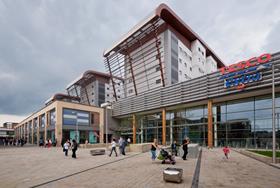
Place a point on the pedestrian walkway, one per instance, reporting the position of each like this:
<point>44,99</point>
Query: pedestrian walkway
<point>238,171</point>
<point>48,167</point>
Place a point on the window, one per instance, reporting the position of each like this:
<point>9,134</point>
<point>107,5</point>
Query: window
<point>157,69</point>
<point>119,96</point>
<point>92,100</point>
<point>190,69</point>
<point>185,64</point>
<point>190,58</point>
<point>158,81</point>
<point>92,93</point>
<point>198,49</point>
<point>119,84</point>
<point>202,53</point>
<point>130,91</point>
<point>108,95</point>
<point>180,72</point>
<point>130,80</point>
<point>201,71</point>
<point>180,60</point>
<point>119,90</point>
<point>107,88</point>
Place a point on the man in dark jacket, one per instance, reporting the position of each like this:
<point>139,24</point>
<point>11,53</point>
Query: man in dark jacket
<point>186,142</point>
<point>74,148</point>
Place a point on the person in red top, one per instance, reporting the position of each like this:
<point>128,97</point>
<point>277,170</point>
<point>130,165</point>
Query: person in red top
<point>226,151</point>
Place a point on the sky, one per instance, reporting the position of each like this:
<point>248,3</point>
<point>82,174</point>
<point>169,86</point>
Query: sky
<point>44,45</point>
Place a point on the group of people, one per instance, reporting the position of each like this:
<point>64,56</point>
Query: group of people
<point>13,142</point>
<point>122,144</point>
<point>73,146</point>
<point>48,143</point>
<point>174,148</point>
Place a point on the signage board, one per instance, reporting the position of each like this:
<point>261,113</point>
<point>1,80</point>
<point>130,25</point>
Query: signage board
<point>240,74</point>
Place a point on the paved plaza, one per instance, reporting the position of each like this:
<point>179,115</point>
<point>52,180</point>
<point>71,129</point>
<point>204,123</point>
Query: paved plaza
<point>43,167</point>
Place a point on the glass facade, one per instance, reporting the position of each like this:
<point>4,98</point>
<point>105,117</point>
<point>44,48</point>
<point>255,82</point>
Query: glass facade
<point>246,123</point>
<point>75,117</point>
<point>53,116</point>
<point>237,123</point>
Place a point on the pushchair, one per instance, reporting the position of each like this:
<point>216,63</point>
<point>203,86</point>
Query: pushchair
<point>166,157</point>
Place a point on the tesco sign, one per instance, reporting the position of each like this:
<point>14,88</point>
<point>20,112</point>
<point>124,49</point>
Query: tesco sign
<point>243,72</point>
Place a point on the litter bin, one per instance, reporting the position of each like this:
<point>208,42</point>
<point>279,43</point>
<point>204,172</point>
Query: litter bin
<point>173,174</point>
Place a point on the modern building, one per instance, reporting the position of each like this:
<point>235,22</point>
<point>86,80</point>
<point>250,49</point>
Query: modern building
<point>233,105</point>
<point>63,117</point>
<point>7,132</point>
<point>9,125</point>
<point>159,51</point>
<point>94,88</point>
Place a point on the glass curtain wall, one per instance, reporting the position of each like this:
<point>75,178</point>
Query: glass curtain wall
<point>245,123</point>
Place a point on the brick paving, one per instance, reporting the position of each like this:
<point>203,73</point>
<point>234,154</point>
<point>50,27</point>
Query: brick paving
<point>26,167</point>
<point>30,166</point>
<point>238,171</point>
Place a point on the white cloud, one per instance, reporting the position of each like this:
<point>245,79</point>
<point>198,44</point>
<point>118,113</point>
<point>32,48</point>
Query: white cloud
<point>46,44</point>
<point>10,118</point>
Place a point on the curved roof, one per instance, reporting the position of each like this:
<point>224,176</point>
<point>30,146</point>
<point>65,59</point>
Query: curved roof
<point>166,14</point>
<point>60,96</point>
<point>88,74</point>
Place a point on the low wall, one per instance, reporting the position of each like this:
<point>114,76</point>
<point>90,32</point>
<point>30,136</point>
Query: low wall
<point>145,147</point>
<point>92,145</point>
<point>193,151</point>
<point>258,156</point>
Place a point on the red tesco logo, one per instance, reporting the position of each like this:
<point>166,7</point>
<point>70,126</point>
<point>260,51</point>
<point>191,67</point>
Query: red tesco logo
<point>245,64</point>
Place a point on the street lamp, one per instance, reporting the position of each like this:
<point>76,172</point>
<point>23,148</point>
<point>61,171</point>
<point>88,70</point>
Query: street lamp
<point>106,105</point>
<point>273,118</point>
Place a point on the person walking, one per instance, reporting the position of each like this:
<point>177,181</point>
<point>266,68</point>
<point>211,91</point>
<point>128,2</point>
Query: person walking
<point>174,148</point>
<point>122,146</point>
<point>186,142</point>
<point>49,143</point>
<point>66,147</point>
<point>74,149</point>
<point>41,143</point>
<point>154,147</point>
<point>226,151</point>
<point>113,147</point>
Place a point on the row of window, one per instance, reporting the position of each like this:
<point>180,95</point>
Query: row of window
<point>201,51</point>
<point>185,54</point>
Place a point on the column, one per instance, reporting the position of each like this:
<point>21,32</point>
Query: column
<point>32,131</point>
<point>210,124</point>
<point>134,128</point>
<point>58,123</point>
<point>142,130</point>
<point>38,129</point>
<point>46,124</point>
<point>101,126</point>
<point>163,126</point>
<point>171,128</point>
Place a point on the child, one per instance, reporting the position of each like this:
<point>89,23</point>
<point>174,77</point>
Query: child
<point>226,151</point>
<point>114,144</point>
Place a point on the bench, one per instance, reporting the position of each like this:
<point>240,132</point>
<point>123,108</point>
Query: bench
<point>97,152</point>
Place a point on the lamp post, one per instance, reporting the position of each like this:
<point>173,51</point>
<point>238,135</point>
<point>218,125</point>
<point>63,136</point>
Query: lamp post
<point>106,106</point>
<point>273,118</point>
